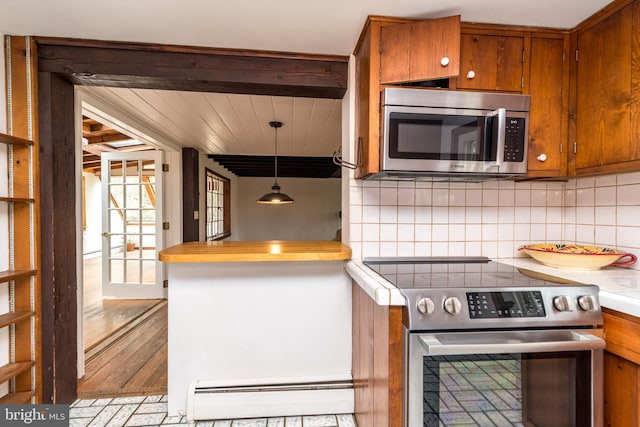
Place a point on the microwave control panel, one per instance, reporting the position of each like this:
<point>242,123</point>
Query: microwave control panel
<point>514,139</point>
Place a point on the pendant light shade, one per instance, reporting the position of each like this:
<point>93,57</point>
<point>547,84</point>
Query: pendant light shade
<point>275,197</point>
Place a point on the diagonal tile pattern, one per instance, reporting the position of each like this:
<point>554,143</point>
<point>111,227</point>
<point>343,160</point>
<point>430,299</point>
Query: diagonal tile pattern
<point>146,411</point>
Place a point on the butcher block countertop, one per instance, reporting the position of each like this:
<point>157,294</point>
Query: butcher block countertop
<point>262,250</point>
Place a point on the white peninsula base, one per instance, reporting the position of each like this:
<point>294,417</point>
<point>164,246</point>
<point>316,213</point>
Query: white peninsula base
<point>238,329</point>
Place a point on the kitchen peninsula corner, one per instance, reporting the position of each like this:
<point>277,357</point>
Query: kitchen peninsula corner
<point>250,317</point>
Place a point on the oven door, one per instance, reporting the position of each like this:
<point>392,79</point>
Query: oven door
<point>523,378</point>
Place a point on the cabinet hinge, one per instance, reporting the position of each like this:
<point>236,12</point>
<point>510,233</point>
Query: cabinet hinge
<point>561,147</point>
<point>522,81</point>
<point>165,225</point>
<point>564,57</point>
<point>165,167</point>
<point>165,283</point>
<point>575,147</point>
<point>576,55</point>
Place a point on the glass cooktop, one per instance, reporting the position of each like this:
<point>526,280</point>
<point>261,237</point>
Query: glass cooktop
<point>457,272</point>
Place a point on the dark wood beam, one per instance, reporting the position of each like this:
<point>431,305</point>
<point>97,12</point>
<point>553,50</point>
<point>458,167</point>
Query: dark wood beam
<point>106,138</point>
<point>116,64</point>
<point>58,238</point>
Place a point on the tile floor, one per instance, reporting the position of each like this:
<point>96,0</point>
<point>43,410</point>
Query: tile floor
<point>139,411</point>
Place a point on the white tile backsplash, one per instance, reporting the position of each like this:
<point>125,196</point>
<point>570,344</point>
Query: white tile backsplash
<point>492,218</point>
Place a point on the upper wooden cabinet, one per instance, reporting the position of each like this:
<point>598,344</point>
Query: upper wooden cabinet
<point>420,50</point>
<point>548,116</point>
<point>491,62</point>
<point>607,112</point>
<point>368,86</point>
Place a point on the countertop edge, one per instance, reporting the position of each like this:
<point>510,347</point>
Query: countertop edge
<point>619,287</point>
<point>256,251</point>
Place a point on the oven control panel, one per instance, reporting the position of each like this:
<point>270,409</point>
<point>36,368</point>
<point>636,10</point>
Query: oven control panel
<point>495,305</point>
<point>459,308</point>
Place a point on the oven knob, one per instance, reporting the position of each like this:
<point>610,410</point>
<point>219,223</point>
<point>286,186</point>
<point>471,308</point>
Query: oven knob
<point>588,303</point>
<point>426,306</point>
<point>452,305</point>
<point>561,303</point>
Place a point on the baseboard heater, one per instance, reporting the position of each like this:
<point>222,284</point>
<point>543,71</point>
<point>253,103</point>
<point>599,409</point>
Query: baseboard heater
<point>213,402</point>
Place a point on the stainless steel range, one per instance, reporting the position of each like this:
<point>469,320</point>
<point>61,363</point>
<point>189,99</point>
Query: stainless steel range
<point>488,344</point>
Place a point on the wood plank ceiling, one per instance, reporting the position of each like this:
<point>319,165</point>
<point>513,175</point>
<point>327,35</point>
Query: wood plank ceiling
<point>233,129</point>
<point>99,138</point>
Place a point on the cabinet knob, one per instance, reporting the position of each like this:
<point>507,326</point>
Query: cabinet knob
<point>444,61</point>
<point>542,157</point>
<point>471,74</point>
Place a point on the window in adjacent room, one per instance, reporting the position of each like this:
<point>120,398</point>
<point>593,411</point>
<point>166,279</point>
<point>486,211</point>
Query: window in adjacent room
<point>218,215</point>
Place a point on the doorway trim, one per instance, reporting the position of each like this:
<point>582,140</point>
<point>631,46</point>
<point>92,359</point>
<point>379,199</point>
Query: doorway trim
<point>63,63</point>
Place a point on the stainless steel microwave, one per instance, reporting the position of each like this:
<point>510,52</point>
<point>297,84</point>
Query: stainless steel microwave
<point>442,133</point>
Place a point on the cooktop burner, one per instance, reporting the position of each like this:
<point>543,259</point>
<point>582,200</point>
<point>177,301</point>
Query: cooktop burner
<point>460,272</point>
<point>476,293</point>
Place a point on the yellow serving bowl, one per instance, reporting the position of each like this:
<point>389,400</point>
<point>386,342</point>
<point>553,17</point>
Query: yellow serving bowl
<point>577,257</point>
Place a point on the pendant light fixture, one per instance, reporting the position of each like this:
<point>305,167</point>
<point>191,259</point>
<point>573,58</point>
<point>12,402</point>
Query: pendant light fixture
<point>275,197</point>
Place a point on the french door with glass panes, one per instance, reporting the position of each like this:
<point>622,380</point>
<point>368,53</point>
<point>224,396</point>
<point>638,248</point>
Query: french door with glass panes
<point>132,224</point>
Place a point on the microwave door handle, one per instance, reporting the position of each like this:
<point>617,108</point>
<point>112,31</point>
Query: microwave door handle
<point>504,343</point>
<point>501,138</point>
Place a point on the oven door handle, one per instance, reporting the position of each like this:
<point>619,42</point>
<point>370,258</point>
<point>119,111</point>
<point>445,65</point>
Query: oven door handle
<point>508,342</point>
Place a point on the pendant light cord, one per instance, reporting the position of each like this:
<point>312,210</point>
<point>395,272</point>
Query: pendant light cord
<point>275,125</point>
<point>276,157</point>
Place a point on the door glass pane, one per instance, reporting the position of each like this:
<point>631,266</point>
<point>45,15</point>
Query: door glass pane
<point>132,193</point>
<point>149,271</point>
<point>116,271</point>
<point>133,271</point>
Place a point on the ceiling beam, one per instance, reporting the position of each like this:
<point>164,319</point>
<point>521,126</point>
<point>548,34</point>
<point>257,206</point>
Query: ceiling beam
<point>194,69</point>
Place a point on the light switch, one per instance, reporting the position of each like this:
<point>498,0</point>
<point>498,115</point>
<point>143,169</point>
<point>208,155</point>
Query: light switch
<point>196,215</point>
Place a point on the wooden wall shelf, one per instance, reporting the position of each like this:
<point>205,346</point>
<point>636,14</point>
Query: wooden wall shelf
<point>22,376</point>
<point>16,200</point>
<point>11,370</point>
<point>17,398</point>
<point>8,275</point>
<point>14,140</point>
<point>13,318</point>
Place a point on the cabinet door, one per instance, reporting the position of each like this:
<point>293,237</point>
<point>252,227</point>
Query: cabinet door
<point>606,76</point>
<point>621,381</point>
<point>548,124</point>
<point>419,51</point>
<point>491,62</point>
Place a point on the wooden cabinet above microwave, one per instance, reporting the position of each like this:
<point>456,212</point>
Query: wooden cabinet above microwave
<point>421,50</point>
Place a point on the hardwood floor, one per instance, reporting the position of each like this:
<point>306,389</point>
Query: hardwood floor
<point>125,342</point>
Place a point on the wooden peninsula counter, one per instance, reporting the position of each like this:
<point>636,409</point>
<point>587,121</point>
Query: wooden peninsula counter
<point>258,328</point>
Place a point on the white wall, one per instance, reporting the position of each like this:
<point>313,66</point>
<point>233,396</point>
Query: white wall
<point>313,216</point>
<point>92,235</point>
